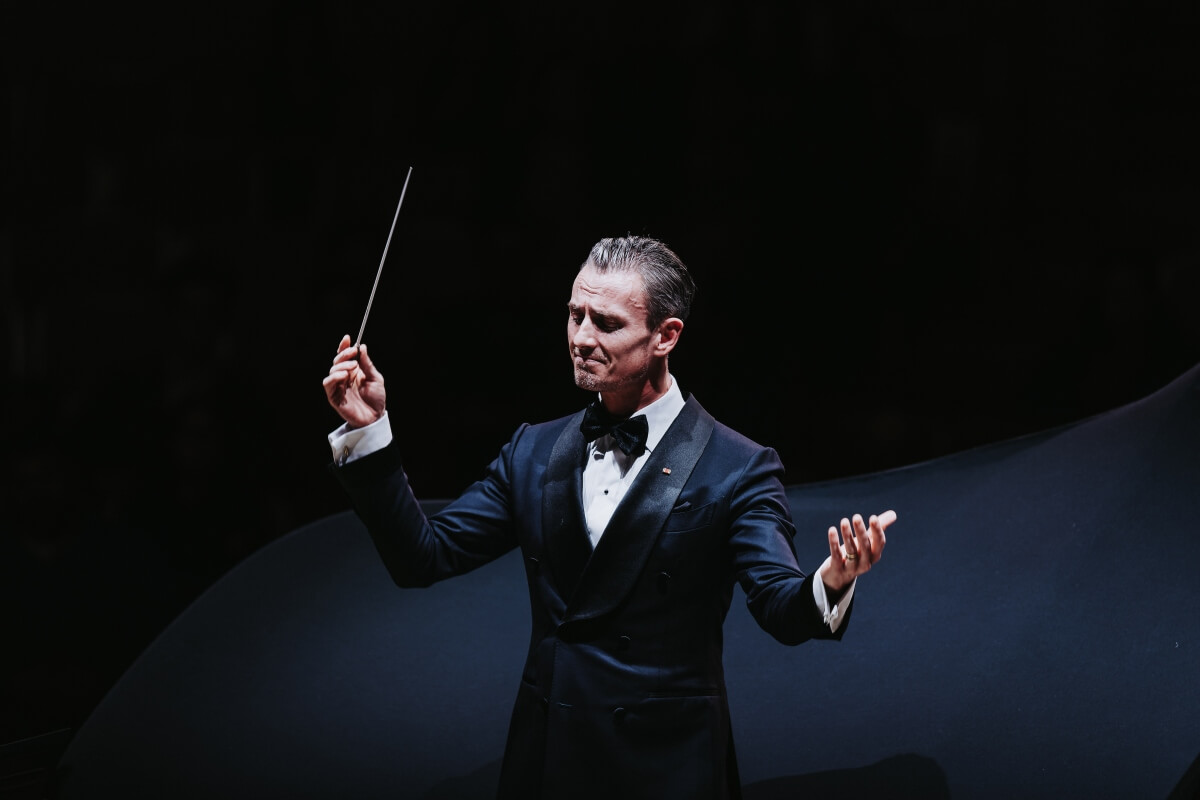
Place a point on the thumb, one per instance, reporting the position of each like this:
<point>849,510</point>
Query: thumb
<point>365,362</point>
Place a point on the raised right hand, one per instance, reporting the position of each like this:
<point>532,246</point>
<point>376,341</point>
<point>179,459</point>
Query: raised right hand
<point>354,387</point>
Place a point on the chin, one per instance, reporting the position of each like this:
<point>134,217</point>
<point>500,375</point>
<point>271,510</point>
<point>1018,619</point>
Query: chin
<point>587,381</point>
<point>593,382</point>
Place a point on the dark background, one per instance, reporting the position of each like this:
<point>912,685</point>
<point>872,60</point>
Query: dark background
<point>917,228</point>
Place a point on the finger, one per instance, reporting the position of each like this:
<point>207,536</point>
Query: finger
<point>349,366</point>
<point>870,540</point>
<point>851,548</point>
<point>335,390</point>
<point>348,371</point>
<point>368,366</point>
<point>886,518</point>
<point>835,551</point>
<point>346,354</point>
<point>860,528</point>
<point>862,544</point>
<point>336,377</point>
<point>344,343</point>
<point>878,538</point>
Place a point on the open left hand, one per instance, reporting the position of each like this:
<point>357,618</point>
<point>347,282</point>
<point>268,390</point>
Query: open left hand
<point>857,549</point>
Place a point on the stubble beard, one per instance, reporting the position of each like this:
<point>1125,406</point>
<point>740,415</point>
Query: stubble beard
<point>591,382</point>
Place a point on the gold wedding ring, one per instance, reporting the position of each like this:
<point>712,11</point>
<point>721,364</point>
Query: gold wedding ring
<point>852,556</point>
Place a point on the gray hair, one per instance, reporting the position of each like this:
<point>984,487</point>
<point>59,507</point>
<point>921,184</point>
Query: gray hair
<point>669,285</point>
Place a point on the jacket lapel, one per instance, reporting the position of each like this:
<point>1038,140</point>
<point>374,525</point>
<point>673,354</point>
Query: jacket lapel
<point>564,534</point>
<point>631,533</point>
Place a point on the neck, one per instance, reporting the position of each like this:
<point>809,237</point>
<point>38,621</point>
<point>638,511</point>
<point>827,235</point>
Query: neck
<point>629,402</point>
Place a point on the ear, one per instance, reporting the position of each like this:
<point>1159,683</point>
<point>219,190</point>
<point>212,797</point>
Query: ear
<point>668,336</point>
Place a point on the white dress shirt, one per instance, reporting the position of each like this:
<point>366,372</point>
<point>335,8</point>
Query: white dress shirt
<point>608,472</point>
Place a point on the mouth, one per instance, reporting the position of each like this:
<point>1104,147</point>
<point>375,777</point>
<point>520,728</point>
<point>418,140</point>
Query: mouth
<point>582,362</point>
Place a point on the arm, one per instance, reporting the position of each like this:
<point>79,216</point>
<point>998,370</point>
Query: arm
<point>785,602</point>
<point>419,550</point>
<point>416,550</point>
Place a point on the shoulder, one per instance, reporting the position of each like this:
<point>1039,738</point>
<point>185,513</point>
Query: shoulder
<point>727,439</point>
<point>552,427</point>
<point>539,436</point>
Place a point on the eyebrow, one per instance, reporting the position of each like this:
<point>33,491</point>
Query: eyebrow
<point>599,316</point>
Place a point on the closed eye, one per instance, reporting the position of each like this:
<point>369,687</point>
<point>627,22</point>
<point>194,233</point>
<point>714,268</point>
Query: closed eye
<point>601,322</point>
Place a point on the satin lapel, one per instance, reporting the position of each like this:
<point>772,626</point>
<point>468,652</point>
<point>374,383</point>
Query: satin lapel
<point>564,534</point>
<point>637,521</point>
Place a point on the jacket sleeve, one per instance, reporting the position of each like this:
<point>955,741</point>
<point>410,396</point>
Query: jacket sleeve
<point>778,593</point>
<point>417,549</point>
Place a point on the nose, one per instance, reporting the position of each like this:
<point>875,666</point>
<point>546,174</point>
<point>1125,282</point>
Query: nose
<point>582,335</point>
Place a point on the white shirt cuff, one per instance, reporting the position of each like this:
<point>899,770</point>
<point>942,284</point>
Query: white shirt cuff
<point>350,444</point>
<point>833,616</point>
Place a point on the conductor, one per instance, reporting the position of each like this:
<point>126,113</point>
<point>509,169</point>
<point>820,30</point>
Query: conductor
<point>635,517</point>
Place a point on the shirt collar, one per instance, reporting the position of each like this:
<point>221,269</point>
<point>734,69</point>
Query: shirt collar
<point>661,413</point>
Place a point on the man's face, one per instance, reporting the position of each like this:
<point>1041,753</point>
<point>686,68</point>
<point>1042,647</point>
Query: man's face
<point>606,330</point>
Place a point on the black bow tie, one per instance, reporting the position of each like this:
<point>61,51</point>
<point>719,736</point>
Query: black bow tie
<point>628,434</point>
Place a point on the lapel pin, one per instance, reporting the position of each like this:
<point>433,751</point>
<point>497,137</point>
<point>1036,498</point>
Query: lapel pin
<point>666,470</point>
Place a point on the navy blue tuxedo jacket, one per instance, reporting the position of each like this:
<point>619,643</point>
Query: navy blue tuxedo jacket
<point>623,691</point>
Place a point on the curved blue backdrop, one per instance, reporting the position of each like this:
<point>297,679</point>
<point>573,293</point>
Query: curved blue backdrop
<point>1033,631</point>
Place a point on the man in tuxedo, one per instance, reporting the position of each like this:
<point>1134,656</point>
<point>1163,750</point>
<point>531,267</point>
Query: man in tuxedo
<point>635,518</point>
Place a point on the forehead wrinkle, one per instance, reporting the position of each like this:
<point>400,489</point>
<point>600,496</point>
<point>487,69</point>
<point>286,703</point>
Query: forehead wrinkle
<point>602,296</point>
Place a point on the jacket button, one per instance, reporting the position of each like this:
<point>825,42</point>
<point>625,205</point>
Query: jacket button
<point>618,715</point>
<point>623,643</point>
<point>664,582</point>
